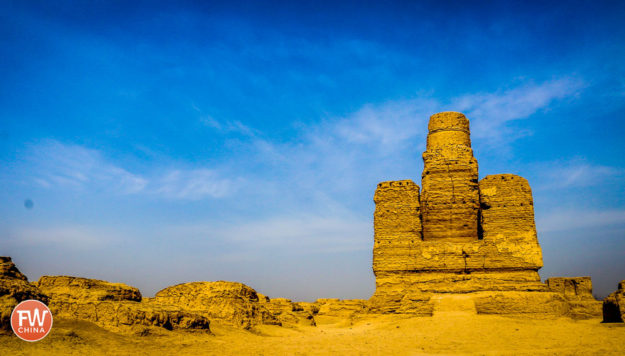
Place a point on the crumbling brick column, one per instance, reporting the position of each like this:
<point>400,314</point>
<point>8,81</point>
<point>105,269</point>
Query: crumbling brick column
<point>450,196</point>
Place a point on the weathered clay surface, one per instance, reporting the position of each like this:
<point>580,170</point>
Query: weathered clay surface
<point>578,293</point>
<point>571,287</point>
<point>312,308</point>
<point>231,302</point>
<point>133,317</point>
<point>536,304</point>
<point>288,312</point>
<point>80,290</point>
<point>450,197</point>
<point>399,298</point>
<point>507,220</point>
<point>614,305</point>
<point>262,298</point>
<point>14,288</point>
<point>397,226</point>
<point>341,307</point>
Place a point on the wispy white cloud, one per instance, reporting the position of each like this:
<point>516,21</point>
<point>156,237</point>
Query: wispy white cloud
<point>323,163</point>
<point>55,165</point>
<point>490,112</point>
<point>388,124</point>
<point>226,126</point>
<point>195,184</point>
<point>342,155</point>
<point>571,220</point>
<point>573,173</point>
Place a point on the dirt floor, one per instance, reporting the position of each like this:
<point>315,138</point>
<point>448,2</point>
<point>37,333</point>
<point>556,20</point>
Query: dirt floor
<point>367,335</point>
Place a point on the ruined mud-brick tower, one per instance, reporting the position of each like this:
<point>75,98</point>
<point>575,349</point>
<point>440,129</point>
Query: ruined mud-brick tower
<point>450,199</point>
<point>457,235</point>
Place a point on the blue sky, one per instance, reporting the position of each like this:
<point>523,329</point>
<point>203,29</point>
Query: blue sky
<point>170,142</point>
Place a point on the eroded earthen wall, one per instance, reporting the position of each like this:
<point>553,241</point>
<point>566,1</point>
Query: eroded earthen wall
<point>397,225</point>
<point>507,222</point>
<point>450,197</point>
<point>507,208</point>
<point>571,287</point>
<point>578,293</point>
<point>614,305</point>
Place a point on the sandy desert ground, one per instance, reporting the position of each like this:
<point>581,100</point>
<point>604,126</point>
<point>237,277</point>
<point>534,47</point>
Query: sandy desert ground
<point>367,335</point>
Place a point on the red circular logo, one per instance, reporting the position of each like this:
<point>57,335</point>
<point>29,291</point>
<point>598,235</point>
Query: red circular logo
<point>31,320</point>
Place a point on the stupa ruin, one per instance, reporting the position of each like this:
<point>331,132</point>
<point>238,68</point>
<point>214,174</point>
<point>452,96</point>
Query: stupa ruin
<point>458,235</point>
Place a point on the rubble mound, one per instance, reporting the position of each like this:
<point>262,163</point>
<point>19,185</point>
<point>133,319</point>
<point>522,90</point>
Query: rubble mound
<point>614,305</point>
<point>341,307</point>
<point>14,288</point>
<point>114,306</point>
<point>231,302</point>
<point>9,270</point>
<point>77,289</point>
<point>288,312</point>
<point>130,317</point>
